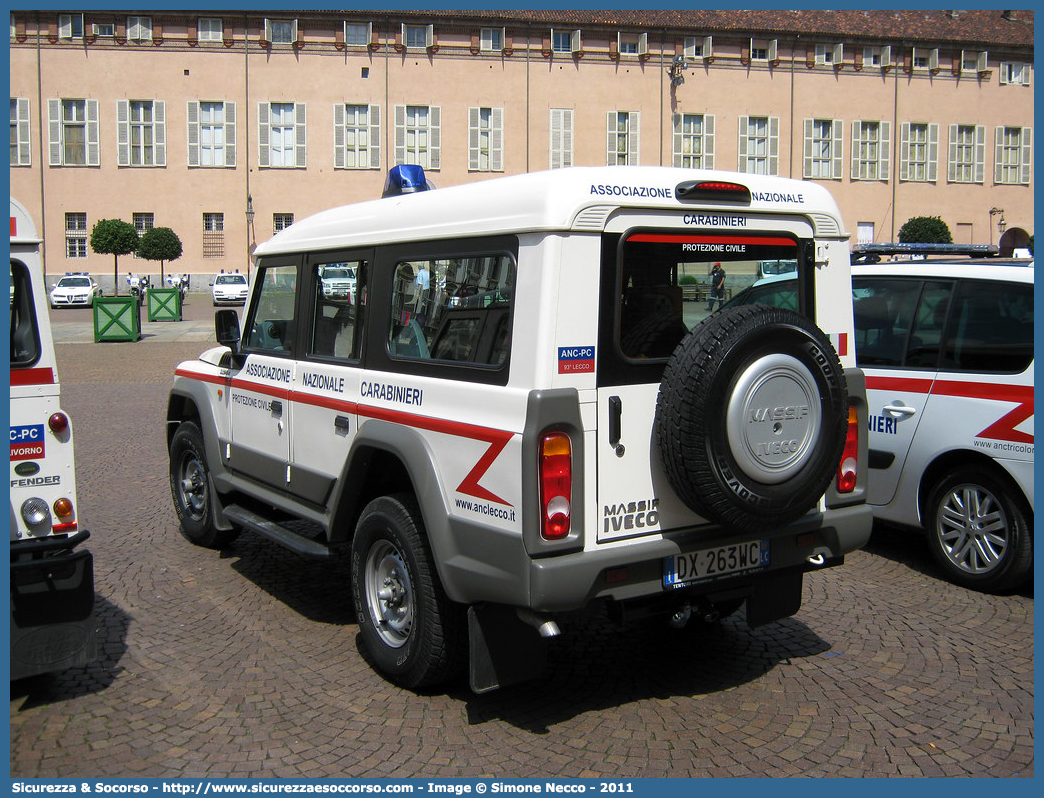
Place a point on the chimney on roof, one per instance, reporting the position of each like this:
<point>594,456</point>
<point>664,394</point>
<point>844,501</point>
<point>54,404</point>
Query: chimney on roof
<point>1009,15</point>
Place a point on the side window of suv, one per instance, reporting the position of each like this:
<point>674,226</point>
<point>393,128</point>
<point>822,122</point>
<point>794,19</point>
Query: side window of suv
<point>899,322</point>
<point>990,328</point>
<point>455,310</point>
<point>25,342</point>
<point>340,308</point>
<point>272,324</point>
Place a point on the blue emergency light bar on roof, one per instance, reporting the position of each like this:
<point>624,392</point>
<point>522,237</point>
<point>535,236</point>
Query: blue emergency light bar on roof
<point>405,178</point>
<point>871,253</point>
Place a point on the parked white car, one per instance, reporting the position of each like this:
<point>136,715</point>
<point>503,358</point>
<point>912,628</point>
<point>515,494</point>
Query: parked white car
<point>947,349</point>
<point>75,289</point>
<point>230,289</point>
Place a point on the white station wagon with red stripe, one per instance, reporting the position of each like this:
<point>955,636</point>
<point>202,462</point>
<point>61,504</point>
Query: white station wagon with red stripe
<point>516,414</point>
<point>948,354</point>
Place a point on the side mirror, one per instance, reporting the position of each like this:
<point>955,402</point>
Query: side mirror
<point>226,329</point>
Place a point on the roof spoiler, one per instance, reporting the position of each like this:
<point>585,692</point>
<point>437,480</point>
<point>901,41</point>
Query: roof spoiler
<point>405,178</point>
<point>871,253</point>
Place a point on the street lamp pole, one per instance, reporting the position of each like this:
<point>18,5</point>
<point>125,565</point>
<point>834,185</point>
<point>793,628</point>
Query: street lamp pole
<point>1001,224</point>
<point>250,230</point>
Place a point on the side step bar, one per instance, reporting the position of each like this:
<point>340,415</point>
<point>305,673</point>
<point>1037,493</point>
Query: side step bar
<point>278,533</point>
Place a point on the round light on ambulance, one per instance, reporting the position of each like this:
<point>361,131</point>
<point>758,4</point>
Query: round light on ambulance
<point>63,508</point>
<point>35,511</point>
<point>58,422</point>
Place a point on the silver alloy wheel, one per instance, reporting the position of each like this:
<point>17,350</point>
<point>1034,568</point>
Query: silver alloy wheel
<point>389,593</point>
<point>193,484</point>
<point>972,528</point>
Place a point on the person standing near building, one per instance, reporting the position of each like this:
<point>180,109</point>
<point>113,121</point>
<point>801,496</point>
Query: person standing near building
<point>717,289</point>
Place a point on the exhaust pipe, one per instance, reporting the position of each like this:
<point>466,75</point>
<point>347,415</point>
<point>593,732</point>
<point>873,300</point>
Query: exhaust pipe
<point>544,626</point>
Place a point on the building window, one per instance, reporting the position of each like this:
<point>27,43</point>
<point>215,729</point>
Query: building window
<point>967,157</point>
<point>418,135</point>
<point>21,152</point>
<point>1013,155</point>
<point>76,235</point>
<point>491,39</point>
<point>924,58</point>
<point>698,47</point>
<point>694,141</point>
<point>561,138</point>
<point>211,133</point>
<point>636,44</point>
<point>763,49</point>
<point>418,37</point>
<point>565,41</point>
<point>622,138</point>
<point>830,54</point>
<point>281,31</point>
<point>281,135</point>
<point>357,136</point>
<point>1015,74</point>
<point>70,26</point>
<point>139,29</point>
<point>919,152</point>
<point>486,139</point>
<point>213,235</point>
<point>823,149</point>
<point>72,132</point>
<point>141,132</point>
<point>104,30</point>
<point>973,61</point>
<point>871,150</point>
<point>210,29</point>
<point>281,221</point>
<point>143,222</point>
<point>877,56</point>
<point>759,145</point>
<point>357,34</point>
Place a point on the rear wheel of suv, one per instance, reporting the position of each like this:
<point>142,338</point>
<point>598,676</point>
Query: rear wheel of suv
<point>411,629</point>
<point>978,531</point>
<point>751,417</point>
<point>192,491</point>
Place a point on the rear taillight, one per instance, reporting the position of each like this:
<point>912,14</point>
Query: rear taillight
<point>556,481</point>
<point>848,469</point>
<point>58,422</point>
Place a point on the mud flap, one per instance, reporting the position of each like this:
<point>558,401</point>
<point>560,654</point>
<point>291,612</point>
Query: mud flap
<point>503,649</point>
<point>52,614</point>
<point>774,596</point>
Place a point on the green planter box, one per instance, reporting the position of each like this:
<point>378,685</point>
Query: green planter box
<point>164,304</point>
<point>117,318</point>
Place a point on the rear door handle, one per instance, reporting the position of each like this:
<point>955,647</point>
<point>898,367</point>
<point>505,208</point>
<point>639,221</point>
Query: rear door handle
<point>900,410</point>
<point>277,407</point>
<point>615,416</point>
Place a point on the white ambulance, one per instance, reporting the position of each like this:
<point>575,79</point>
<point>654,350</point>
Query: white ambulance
<point>52,580</point>
<point>516,414</point>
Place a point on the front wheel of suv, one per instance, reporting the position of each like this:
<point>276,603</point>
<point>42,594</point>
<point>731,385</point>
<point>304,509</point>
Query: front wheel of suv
<point>413,632</point>
<point>192,490</point>
<point>978,531</point>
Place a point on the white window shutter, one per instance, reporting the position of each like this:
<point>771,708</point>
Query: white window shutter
<point>773,49</point>
<point>951,160</point>
<point>122,133</point>
<point>192,125</point>
<point>998,155</point>
<point>64,26</point>
<point>677,122</point>
<point>486,39</point>
<point>1026,156</point>
<point>643,43</point>
<point>473,139</point>
<point>933,152</point>
<point>54,132</point>
<point>567,137</point>
<point>435,137</point>
<point>300,135</point>
<point>338,133</point>
<point>574,41</point>
<point>230,134</point>
<point>743,124</point>
<point>980,153</point>
<point>982,61</point>
<point>375,136</point>
<point>885,150</point>
<point>400,134</point>
<point>633,141</point>
<point>809,129</point>
<point>904,151</point>
<point>708,141</point>
<point>429,36</point>
<point>857,141</point>
<point>264,134</point>
<point>268,30</point>
<point>293,31</point>
<point>25,157</point>
<point>610,138</point>
<point>837,149</point>
<point>773,145</point>
<point>93,136</point>
<point>159,130</point>
<point>496,140</point>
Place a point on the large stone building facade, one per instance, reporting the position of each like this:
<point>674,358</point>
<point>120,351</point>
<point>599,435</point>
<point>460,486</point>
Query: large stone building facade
<point>227,126</point>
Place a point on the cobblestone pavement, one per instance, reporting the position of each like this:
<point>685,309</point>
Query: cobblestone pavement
<point>247,662</point>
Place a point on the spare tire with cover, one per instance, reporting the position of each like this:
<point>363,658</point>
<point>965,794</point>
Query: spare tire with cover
<point>752,416</point>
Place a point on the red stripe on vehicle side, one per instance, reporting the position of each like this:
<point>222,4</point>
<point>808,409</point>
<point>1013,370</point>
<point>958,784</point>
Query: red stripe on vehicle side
<point>654,238</point>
